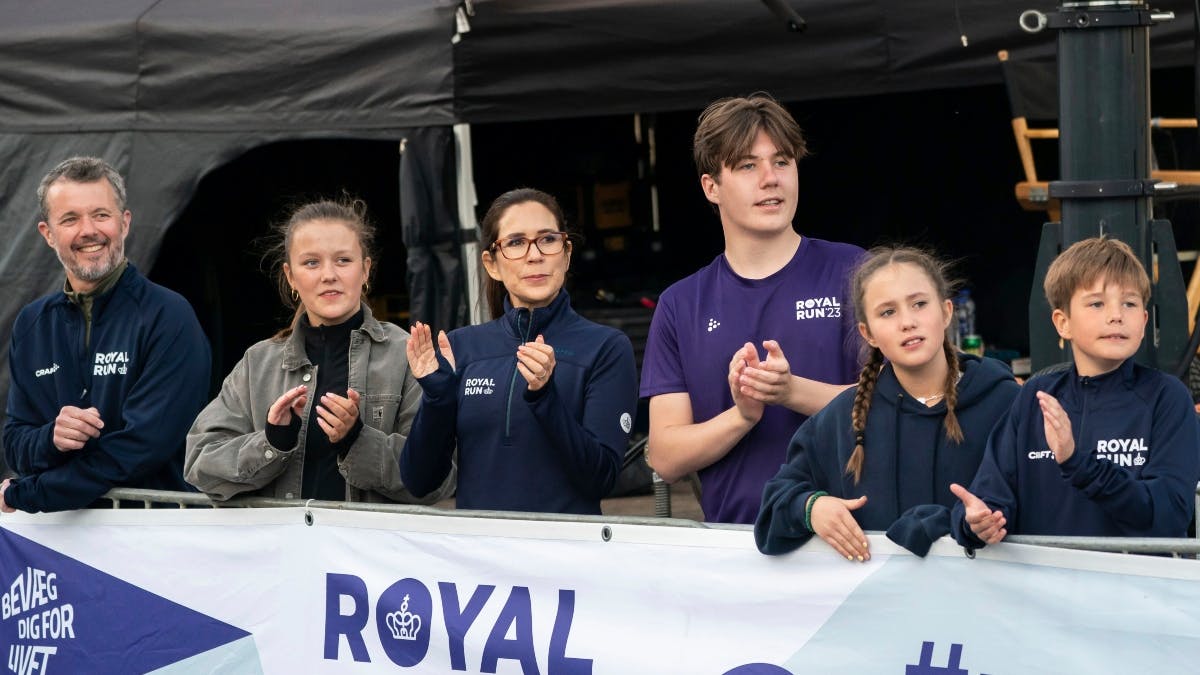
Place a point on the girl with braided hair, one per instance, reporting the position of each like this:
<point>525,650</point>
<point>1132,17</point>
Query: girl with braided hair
<point>882,454</point>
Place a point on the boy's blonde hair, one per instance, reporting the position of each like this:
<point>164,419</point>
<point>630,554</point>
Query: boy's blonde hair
<point>1088,260</point>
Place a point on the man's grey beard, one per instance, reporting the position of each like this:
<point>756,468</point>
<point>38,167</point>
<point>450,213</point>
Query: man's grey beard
<point>100,269</point>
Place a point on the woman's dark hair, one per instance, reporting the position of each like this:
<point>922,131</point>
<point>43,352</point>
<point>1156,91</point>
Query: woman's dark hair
<point>877,259</point>
<point>493,290</point>
<point>349,211</point>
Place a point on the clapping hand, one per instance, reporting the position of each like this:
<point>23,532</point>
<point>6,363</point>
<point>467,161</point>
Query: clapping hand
<point>987,524</point>
<point>422,359</point>
<point>292,402</point>
<point>751,409</point>
<point>768,381</point>
<point>535,361</point>
<point>1057,426</point>
<point>336,415</point>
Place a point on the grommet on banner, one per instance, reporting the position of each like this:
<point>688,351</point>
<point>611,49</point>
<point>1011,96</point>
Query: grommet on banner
<point>969,552</point>
<point>308,516</point>
<point>606,533</point>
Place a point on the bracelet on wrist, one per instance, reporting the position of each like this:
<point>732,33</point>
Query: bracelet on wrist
<point>808,507</point>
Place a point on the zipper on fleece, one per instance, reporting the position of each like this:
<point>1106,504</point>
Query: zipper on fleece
<point>512,383</point>
<point>82,360</point>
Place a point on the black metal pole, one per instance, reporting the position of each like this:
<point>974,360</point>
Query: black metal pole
<point>1104,160</point>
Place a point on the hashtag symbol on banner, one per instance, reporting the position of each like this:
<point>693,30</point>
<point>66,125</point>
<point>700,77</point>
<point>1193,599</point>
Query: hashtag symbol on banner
<point>926,667</point>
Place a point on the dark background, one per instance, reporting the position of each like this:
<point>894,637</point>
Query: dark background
<point>934,168</point>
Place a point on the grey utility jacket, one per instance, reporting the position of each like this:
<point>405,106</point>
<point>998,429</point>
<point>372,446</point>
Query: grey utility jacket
<point>227,448</point>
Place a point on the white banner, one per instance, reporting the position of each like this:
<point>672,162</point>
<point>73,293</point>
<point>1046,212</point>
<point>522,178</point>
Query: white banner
<point>261,591</point>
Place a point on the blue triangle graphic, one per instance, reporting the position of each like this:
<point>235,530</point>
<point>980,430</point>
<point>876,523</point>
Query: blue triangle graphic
<point>60,615</point>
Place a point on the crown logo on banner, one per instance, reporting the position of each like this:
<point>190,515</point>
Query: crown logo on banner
<point>404,624</point>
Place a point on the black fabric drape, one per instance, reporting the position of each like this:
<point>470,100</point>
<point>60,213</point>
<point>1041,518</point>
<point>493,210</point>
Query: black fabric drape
<point>430,227</point>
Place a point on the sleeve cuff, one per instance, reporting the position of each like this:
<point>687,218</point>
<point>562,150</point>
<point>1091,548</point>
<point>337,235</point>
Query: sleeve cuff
<point>12,496</point>
<point>1071,469</point>
<point>917,528</point>
<point>438,386</point>
<point>533,396</point>
<point>283,437</point>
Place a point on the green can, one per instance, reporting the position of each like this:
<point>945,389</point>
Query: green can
<point>972,344</point>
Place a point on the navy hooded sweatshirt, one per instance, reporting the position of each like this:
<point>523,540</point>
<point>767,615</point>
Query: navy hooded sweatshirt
<point>558,449</point>
<point>1133,472</point>
<point>146,370</point>
<point>908,466</point>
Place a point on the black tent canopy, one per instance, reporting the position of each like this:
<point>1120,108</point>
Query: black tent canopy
<point>168,90</point>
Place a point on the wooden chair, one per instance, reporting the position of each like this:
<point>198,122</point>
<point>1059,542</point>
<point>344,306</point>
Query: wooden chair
<point>1033,95</point>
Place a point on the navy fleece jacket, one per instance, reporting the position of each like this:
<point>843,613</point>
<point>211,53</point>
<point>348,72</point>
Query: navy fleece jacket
<point>1133,472</point>
<point>146,370</point>
<point>909,463</point>
<point>557,449</point>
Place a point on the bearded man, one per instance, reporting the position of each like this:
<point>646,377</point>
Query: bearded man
<point>108,374</point>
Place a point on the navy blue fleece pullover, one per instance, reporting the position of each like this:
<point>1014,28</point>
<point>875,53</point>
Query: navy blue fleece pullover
<point>146,370</point>
<point>1133,472</point>
<point>908,464</point>
<point>558,449</point>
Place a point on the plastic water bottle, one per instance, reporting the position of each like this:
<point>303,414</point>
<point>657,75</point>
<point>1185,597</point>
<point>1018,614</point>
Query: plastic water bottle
<point>964,311</point>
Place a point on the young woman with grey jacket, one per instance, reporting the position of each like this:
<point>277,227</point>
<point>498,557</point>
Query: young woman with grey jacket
<point>322,409</point>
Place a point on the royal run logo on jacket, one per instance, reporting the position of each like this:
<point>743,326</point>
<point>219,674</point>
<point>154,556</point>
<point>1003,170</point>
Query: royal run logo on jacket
<point>110,363</point>
<point>479,386</point>
<point>1126,452</point>
<point>1123,451</point>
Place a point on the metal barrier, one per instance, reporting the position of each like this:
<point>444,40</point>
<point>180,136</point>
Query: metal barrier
<point>1185,547</point>
<point>148,498</point>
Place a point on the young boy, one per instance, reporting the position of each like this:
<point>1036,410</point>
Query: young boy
<point>1105,448</point>
<point>719,405</point>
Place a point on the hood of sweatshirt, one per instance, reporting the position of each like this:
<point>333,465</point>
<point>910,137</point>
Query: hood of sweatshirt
<point>979,377</point>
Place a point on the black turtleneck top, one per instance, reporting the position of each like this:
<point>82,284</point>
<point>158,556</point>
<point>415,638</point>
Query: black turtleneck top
<point>327,348</point>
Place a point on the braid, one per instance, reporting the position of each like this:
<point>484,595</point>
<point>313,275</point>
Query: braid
<point>953,430</point>
<point>862,405</point>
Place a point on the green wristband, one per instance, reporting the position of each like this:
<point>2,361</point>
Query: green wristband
<point>808,507</point>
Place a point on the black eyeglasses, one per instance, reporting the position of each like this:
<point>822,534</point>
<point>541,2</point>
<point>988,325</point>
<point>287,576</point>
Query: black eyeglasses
<point>515,248</point>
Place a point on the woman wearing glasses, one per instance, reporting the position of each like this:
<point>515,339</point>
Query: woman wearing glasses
<point>539,401</point>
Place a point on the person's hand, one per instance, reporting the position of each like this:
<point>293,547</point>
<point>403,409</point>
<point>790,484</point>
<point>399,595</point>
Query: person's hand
<point>336,414</point>
<point>749,408</point>
<point>535,361</point>
<point>422,360</point>
<point>771,380</point>
<point>1057,426</point>
<point>75,426</point>
<point>290,403</point>
<point>832,521</point>
<point>4,507</point>
<point>987,524</point>
<point>444,348</point>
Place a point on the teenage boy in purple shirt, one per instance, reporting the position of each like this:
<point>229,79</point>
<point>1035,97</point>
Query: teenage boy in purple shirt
<point>724,398</point>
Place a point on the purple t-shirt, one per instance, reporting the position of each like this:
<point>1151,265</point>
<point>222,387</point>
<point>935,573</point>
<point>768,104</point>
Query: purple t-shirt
<point>703,319</point>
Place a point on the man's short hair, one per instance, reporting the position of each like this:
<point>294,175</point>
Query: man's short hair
<point>81,170</point>
<point>1088,260</point>
<point>727,128</point>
